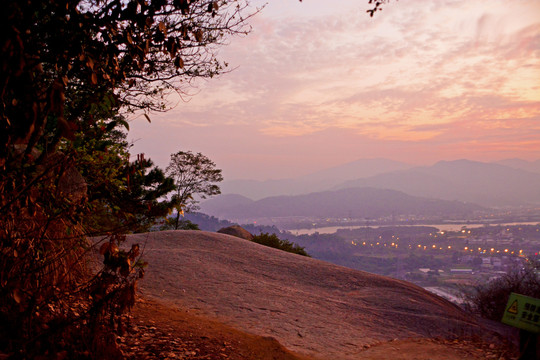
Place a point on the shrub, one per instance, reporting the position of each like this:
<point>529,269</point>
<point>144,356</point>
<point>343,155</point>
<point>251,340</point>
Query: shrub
<point>275,242</point>
<point>171,223</point>
<point>490,299</point>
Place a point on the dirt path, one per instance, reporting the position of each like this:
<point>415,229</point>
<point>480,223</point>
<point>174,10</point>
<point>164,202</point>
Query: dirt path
<point>158,331</point>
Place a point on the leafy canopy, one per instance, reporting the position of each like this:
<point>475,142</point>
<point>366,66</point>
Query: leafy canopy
<point>71,70</point>
<point>193,175</point>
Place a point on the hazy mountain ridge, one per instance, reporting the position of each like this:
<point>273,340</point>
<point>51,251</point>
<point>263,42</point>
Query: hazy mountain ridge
<point>227,201</point>
<point>531,166</point>
<point>488,184</point>
<point>352,202</point>
<point>502,183</point>
<point>318,181</point>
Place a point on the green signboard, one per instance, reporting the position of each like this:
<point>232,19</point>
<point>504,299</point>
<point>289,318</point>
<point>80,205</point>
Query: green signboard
<point>523,312</point>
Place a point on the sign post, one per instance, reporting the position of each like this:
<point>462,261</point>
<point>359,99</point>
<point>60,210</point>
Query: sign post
<point>523,312</point>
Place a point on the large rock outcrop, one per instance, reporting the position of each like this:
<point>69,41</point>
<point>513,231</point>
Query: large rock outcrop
<point>236,230</point>
<point>310,306</point>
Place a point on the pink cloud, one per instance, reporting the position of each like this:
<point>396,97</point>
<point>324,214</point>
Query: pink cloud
<point>422,80</point>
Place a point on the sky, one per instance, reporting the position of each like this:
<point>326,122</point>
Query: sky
<point>320,83</point>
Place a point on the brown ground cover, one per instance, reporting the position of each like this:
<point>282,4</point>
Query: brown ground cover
<point>158,331</point>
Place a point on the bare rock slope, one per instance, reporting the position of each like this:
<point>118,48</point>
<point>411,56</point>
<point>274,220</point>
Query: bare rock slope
<point>310,306</point>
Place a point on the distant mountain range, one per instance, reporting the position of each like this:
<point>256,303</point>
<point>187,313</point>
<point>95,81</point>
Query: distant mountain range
<point>531,166</point>
<point>318,181</point>
<point>345,203</point>
<point>487,184</point>
<point>503,183</point>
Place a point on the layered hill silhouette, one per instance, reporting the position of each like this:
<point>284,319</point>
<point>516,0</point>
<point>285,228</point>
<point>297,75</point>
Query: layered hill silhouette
<point>311,307</point>
<point>348,203</point>
<point>530,166</point>
<point>315,182</point>
<point>463,180</point>
<point>506,182</point>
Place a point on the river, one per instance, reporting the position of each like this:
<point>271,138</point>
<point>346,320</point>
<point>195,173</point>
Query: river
<point>441,227</point>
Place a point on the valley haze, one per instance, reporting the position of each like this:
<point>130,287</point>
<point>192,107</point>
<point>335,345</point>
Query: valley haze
<point>372,189</point>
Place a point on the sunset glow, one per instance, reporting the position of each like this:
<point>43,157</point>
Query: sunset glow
<point>316,85</point>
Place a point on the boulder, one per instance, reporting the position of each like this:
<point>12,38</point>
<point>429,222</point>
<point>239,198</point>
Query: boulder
<point>236,230</point>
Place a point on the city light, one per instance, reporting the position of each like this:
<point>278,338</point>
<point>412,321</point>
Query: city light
<point>442,247</point>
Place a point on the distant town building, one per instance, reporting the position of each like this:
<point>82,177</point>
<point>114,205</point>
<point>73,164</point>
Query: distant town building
<point>461,271</point>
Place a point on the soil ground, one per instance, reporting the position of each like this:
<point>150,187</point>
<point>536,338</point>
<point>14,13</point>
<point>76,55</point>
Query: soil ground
<point>160,331</point>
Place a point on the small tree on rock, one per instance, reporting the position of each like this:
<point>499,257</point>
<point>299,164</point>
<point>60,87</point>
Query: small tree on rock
<point>193,174</point>
<point>490,299</point>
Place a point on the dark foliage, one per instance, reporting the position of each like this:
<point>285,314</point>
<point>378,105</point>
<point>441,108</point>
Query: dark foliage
<point>135,206</point>
<point>275,242</point>
<point>182,224</point>
<point>490,299</point>
<point>69,71</point>
<point>123,195</point>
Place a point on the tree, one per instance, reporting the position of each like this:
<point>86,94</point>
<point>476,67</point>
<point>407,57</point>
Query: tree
<point>194,175</point>
<point>377,6</point>
<point>123,195</point>
<point>183,224</point>
<point>133,206</point>
<point>66,56</point>
<point>490,299</point>
<point>71,69</point>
